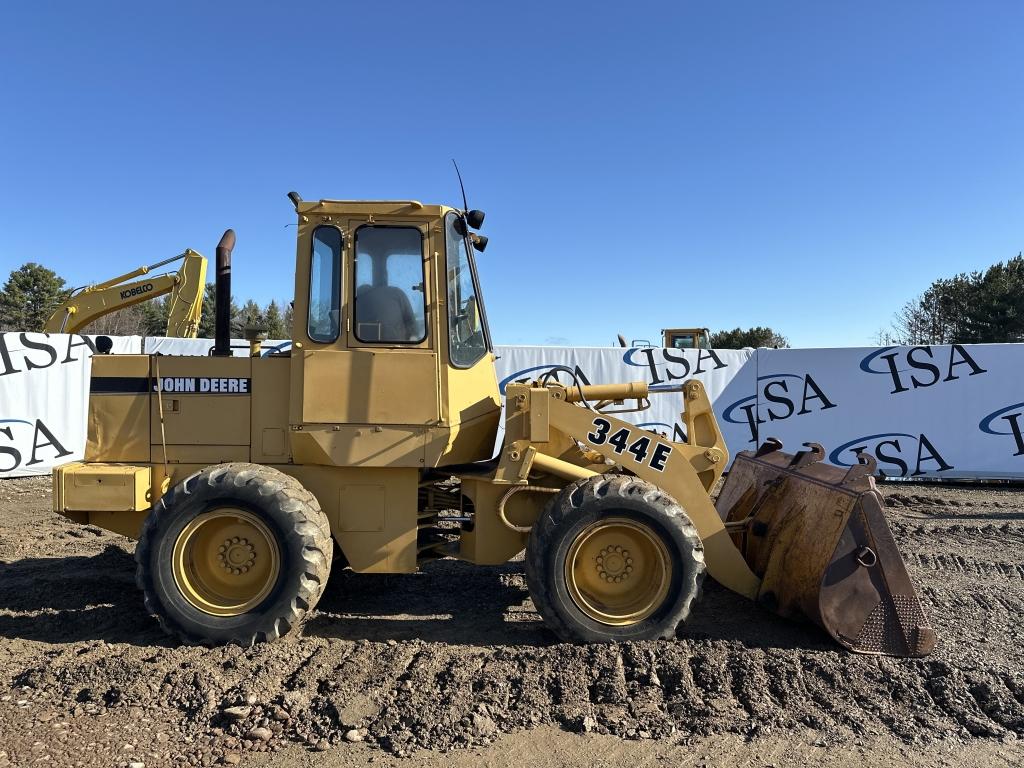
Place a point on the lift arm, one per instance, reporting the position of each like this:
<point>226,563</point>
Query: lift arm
<point>186,287</point>
<point>797,535</point>
<point>687,471</point>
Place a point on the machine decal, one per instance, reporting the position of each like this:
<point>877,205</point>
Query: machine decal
<point>199,385</point>
<point>639,448</point>
<point>119,385</point>
<point>203,385</point>
<point>137,290</point>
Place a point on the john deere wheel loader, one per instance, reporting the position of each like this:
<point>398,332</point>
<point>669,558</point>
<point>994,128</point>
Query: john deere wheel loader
<point>239,475</point>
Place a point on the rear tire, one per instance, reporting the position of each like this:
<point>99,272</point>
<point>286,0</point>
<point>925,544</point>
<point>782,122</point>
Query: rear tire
<point>613,558</point>
<point>236,553</point>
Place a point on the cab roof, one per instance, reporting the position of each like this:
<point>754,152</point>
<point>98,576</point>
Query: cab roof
<point>376,207</point>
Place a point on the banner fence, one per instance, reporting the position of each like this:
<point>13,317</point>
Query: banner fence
<point>951,411</point>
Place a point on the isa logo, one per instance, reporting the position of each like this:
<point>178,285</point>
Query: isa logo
<point>1006,422</point>
<point>921,367</point>
<point>559,373</point>
<point>25,443</point>
<point>899,454</point>
<point>664,365</point>
<point>779,397</point>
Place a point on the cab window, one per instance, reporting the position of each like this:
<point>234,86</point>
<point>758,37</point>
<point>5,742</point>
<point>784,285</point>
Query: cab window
<point>390,303</point>
<point>466,340</point>
<point>325,286</point>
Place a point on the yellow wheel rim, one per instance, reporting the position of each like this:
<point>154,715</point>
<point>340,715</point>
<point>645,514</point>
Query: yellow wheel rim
<point>618,571</point>
<point>226,561</point>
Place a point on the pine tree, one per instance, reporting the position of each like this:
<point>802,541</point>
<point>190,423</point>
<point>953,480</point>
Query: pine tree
<point>289,316</point>
<point>154,317</point>
<point>968,308</point>
<point>250,316</point>
<point>738,338</point>
<point>208,318</point>
<point>273,321</point>
<point>29,297</point>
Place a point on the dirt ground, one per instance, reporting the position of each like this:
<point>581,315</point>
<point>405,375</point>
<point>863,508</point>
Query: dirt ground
<point>453,667</point>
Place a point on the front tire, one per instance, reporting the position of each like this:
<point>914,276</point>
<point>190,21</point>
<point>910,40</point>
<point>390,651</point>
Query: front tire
<point>613,558</point>
<point>236,553</point>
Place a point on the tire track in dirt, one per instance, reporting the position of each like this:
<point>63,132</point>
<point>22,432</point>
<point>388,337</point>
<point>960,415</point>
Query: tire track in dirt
<point>956,601</point>
<point>969,534</point>
<point>960,564</point>
<point>413,695</point>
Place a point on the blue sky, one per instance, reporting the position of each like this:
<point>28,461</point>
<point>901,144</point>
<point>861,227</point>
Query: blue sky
<point>804,165</point>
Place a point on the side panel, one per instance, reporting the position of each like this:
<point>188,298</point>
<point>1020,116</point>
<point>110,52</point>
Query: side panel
<point>359,445</point>
<point>369,387</point>
<point>372,513</point>
<point>119,409</point>
<point>206,402</point>
<point>269,415</point>
<point>199,454</point>
<point>368,408</point>
<point>473,413</point>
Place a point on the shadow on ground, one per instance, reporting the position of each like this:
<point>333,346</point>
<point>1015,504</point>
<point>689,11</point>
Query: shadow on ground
<point>447,601</point>
<point>724,615</point>
<point>72,599</point>
<point>83,598</point>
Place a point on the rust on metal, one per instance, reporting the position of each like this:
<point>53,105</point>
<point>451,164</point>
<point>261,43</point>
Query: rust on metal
<point>817,537</point>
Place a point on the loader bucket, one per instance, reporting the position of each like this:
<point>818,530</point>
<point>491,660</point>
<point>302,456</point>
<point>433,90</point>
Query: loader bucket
<point>817,537</point>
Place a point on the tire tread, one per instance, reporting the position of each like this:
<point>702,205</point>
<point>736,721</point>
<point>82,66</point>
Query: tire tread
<point>567,505</point>
<point>310,524</point>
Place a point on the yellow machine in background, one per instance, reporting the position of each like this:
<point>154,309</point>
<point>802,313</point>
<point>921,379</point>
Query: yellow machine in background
<point>375,434</point>
<point>185,287</point>
<point>675,338</point>
<point>686,338</point>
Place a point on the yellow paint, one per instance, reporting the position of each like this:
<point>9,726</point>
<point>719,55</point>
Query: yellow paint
<point>185,308</point>
<point>226,561</point>
<point>686,338</point>
<point>83,487</point>
<point>618,571</point>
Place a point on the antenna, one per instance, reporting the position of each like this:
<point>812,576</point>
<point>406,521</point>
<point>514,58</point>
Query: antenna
<point>465,205</point>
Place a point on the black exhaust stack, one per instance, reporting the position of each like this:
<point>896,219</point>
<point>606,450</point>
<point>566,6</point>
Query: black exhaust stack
<point>222,324</point>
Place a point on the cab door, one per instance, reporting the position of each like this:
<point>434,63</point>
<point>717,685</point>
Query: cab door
<point>391,334</point>
<point>364,367</point>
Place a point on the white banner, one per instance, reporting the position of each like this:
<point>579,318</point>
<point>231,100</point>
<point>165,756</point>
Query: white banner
<point>44,394</point>
<point>155,345</point>
<point>944,411</point>
<point>727,375</point>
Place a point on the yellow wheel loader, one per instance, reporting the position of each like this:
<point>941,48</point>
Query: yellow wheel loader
<point>186,287</point>
<point>374,436</point>
<point>686,338</point>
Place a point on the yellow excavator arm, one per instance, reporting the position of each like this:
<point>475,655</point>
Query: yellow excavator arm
<point>186,287</point>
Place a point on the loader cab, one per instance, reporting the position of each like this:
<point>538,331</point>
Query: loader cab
<point>391,361</point>
<point>686,338</point>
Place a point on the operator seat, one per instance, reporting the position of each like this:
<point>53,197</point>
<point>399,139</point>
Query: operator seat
<point>384,313</point>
